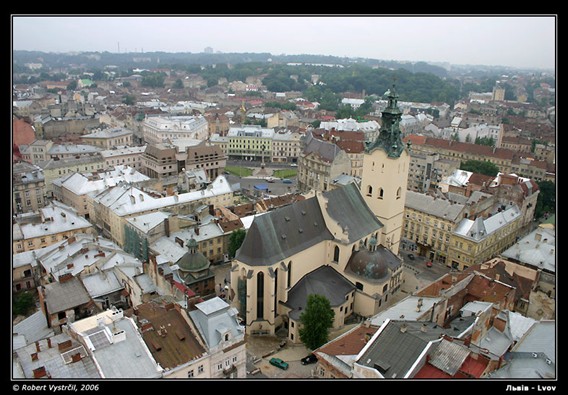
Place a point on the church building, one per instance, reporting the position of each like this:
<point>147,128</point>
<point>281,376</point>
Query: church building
<point>341,244</point>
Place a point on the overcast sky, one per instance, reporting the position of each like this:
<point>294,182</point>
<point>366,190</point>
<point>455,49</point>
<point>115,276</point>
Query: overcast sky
<point>518,41</point>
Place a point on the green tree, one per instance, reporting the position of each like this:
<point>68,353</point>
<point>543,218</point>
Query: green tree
<point>235,241</point>
<point>481,167</point>
<point>72,85</point>
<point>128,100</point>
<point>316,321</point>
<point>178,84</point>
<point>22,303</point>
<point>546,201</point>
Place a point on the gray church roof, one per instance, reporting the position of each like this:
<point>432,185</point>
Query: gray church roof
<point>288,230</point>
<point>281,233</point>
<point>324,281</point>
<point>346,206</point>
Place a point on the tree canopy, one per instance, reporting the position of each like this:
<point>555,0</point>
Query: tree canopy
<point>316,321</point>
<point>546,201</point>
<point>235,241</point>
<point>481,167</point>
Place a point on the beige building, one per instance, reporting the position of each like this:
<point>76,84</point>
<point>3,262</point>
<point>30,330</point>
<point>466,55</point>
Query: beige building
<point>320,163</point>
<point>427,170</point>
<point>28,188</point>
<point>37,151</point>
<point>50,225</point>
<point>428,224</point>
<point>166,160</point>
<point>334,230</point>
<point>126,156</point>
<point>108,138</point>
<point>73,189</point>
<point>53,169</point>
<point>385,175</point>
<point>286,147</point>
<point>109,209</point>
<point>283,119</point>
<point>476,241</point>
<point>157,129</point>
<point>333,244</point>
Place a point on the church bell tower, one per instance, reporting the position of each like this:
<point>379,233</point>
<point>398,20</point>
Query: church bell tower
<point>385,174</point>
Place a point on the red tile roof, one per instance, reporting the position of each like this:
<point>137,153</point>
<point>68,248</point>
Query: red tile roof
<point>350,343</point>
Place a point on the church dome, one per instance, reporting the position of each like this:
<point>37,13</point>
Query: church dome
<point>193,260</point>
<point>372,265</point>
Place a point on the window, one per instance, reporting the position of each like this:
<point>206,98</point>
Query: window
<point>336,254</point>
<point>369,190</point>
<point>381,193</point>
<point>219,366</point>
<point>190,374</point>
<point>398,193</point>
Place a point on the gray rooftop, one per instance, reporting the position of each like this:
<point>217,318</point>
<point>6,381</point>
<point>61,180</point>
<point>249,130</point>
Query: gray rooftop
<point>64,296</point>
<point>526,365</point>
<point>281,233</point>
<point>323,149</point>
<point>58,364</point>
<point>129,358</point>
<point>324,281</point>
<point>346,206</point>
<point>438,207</point>
<point>449,356</point>
<point>406,309</point>
<point>397,346</point>
<point>213,318</point>
<point>537,249</point>
<point>541,337</point>
<point>33,328</point>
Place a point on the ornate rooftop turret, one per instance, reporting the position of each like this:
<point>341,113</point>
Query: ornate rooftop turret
<point>390,138</point>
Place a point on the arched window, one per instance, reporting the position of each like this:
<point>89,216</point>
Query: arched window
<point>260,295</point>
<point>381,193</point>
<point>369,190</point>
<point>289,274</point>
<point>385,288</point>
<point>398,193</point>
<point>336,254</point>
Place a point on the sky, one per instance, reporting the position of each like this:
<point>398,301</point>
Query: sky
<point>522,41</point>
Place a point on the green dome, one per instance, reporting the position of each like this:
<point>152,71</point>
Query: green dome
<point>193,260</point>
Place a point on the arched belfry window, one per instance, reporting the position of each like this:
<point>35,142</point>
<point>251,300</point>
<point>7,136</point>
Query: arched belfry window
<point>336,254</point>
<point>398,192</point>
<point>369,190</point>
<point>381,193</point>
<point>260,295</point>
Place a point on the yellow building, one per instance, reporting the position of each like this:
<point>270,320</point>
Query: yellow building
<point>476,241</point>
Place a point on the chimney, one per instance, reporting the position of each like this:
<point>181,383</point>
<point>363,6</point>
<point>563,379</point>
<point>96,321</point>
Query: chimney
<point>403,328</point>
<point>40,372</point>
<point>196,230</point>
<point>38,349</point>
<point>49,342</point>
<point>424,328</point>
<point>167,227</point>
<point>75,357</point>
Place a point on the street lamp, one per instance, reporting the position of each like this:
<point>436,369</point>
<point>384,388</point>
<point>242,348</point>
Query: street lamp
<point>262,147</point>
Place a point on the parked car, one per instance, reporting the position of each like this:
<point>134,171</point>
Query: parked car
<point>279,363</point>
<point>309,359</point>
<point>429,264</point>
<point>293,165</point>
<point>411,257</point>
<point>287,181</point>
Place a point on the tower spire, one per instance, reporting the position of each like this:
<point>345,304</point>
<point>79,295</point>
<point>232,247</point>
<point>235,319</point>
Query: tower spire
<point>389,138</point>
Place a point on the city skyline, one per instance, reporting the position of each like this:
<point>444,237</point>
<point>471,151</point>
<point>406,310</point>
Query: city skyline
<point>512,41</point>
